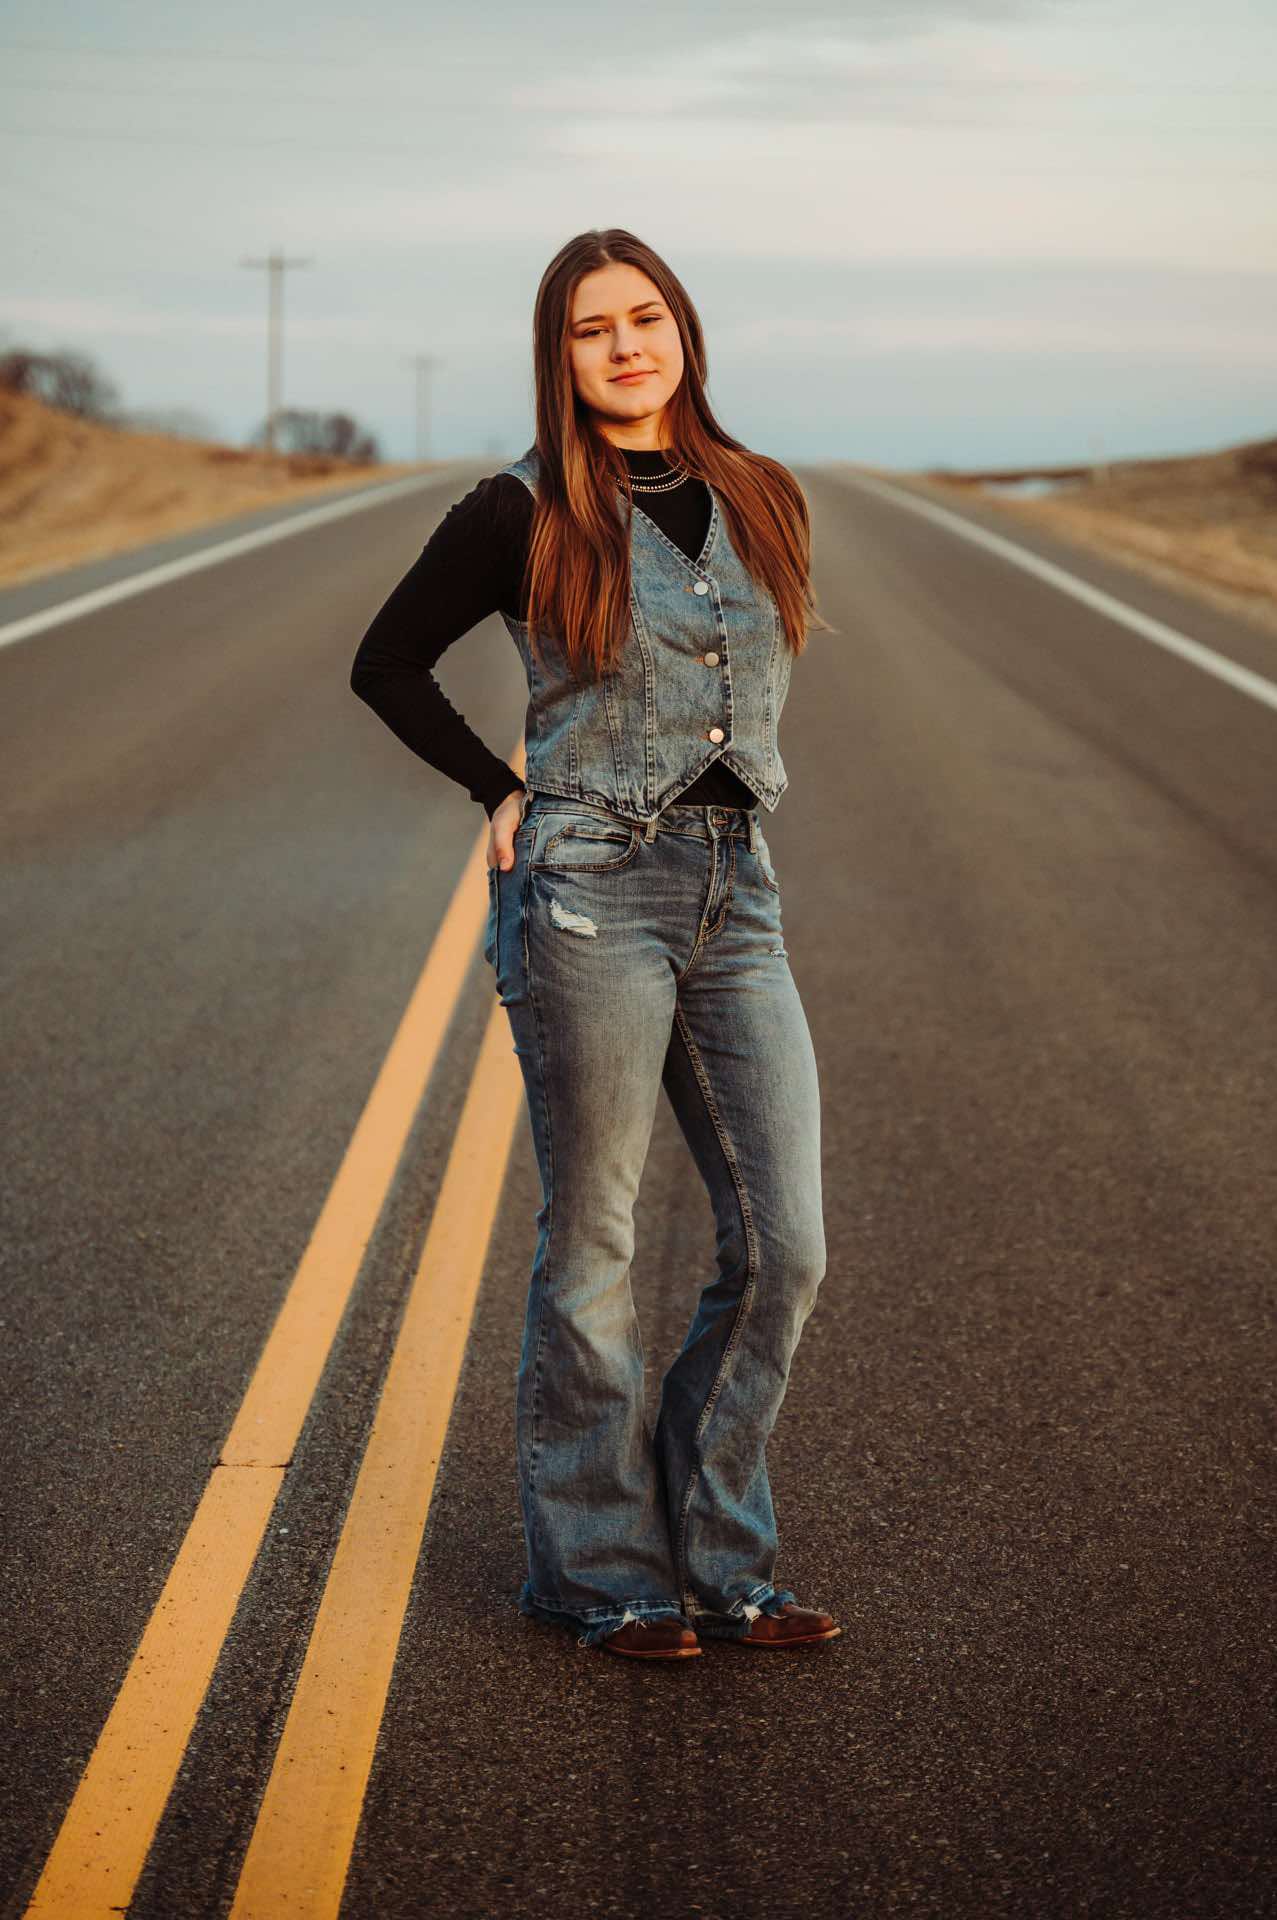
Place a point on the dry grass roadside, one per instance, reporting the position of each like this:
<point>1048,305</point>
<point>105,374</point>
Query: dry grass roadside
<point>73,490</point>
<point>1203,522</point>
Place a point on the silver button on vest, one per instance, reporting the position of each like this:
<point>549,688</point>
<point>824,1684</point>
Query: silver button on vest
<point>634,738</point>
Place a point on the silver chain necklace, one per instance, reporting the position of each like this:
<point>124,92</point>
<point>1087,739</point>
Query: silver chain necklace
<point>658,482</point>
<point>659,485</point>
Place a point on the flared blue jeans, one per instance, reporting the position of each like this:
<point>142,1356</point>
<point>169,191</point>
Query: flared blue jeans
<point>630,959</point>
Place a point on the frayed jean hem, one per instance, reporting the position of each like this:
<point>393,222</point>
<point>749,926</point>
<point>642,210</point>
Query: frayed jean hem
<point>711,1625</point>
<point>596,1623</point>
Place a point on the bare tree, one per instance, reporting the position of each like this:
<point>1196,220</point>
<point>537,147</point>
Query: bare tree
<point>66,379</point>
<point>303,430</point>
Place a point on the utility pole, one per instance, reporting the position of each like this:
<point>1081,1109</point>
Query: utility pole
<point>1099,466</point>
<point>423,362</point>
<point>276,262</point>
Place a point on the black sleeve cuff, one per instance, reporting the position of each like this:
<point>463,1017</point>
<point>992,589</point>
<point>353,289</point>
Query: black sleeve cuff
<point>492,796</point>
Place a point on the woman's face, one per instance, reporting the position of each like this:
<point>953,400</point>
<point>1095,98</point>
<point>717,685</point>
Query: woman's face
<point>620,325</point>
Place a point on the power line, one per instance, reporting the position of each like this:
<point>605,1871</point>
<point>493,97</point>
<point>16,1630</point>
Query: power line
<point>220,142</point>
<point>170,53</point>
<point>419,104</point>
<point>482,58</point>
<point>1192,169</point>
<point>19,188</point>
<point>858,91</point>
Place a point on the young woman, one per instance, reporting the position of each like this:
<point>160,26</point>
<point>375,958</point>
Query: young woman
<point>654,576</point>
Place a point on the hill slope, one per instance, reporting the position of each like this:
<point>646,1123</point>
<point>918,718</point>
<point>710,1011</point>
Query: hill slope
<point>73,490</point>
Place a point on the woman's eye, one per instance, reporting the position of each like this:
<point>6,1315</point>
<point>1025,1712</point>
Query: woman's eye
<point>647,320</point>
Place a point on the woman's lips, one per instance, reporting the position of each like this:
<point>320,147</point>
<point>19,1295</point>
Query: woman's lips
<point>623,379</point>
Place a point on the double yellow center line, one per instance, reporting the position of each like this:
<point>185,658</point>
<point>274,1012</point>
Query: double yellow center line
<point>300,1849</point>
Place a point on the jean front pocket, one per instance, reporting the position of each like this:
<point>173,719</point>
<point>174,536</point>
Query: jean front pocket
<point>581,845</point>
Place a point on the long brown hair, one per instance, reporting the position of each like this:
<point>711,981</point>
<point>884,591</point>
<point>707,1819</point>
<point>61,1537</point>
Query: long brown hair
<point>578,574</point>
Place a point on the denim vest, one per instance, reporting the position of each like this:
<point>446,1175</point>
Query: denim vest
<point>703,678</point>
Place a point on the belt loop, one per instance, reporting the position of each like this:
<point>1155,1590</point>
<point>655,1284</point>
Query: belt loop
<point>753,829</point>
<point>649,831</point>
<point>524,804</point>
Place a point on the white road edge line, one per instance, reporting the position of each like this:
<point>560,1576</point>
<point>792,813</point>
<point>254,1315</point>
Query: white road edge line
<point>206,557</point>
<point>1142,623</point>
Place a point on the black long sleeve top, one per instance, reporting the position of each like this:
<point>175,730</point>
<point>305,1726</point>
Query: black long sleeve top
<point>473,565</point>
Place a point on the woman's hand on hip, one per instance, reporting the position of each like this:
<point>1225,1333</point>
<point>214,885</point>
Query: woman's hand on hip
<point>501,828</point>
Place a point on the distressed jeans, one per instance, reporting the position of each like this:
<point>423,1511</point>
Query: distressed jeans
<point>630,958</point>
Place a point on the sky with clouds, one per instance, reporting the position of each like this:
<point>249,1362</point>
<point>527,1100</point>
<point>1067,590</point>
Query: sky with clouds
<point>917,232</point>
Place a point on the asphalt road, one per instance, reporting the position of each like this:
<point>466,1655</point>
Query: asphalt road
<point>1029,872</point>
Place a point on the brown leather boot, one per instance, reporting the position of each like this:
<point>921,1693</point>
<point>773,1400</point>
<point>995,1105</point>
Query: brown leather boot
<point>793,1626</point>
<point>653,1640</point>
